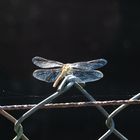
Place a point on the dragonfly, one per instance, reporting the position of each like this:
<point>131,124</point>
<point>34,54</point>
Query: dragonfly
<point>54,71</point>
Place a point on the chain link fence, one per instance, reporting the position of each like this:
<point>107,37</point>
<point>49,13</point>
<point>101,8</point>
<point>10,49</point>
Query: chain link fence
<point>68,82</point>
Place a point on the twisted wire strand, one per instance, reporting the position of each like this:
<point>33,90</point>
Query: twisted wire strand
<point>13,120</point>
<point>71,104</point>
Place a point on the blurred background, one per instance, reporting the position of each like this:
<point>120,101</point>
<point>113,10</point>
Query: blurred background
<point>69,31</point>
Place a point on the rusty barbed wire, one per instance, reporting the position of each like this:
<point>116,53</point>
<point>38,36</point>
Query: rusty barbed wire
<point>71,104</point>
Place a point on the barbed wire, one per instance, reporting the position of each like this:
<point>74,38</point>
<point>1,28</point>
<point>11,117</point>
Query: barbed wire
<point>71,105</point>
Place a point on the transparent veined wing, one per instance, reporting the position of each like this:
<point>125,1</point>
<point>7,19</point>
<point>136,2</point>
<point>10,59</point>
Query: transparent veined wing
<point>88,76</point>
<point>89,65</point>
<point>47,75</point>
<point>45,63</point>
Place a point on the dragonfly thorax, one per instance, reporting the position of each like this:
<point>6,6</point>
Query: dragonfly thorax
<point>67,69</point>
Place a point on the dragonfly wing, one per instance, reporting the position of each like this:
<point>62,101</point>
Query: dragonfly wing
<point>89,65</point>
<point>47,75</point>
<point>88,76</point>
<point>45,63</point>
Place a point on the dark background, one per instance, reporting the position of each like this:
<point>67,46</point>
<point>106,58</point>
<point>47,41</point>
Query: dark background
<point>69,31</point>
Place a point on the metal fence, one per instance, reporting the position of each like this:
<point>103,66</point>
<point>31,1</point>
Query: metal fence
<point>68,82</point>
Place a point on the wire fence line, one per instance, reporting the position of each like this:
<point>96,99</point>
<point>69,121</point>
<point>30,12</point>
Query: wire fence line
<point>68,82</point>
<point>71,105</point>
